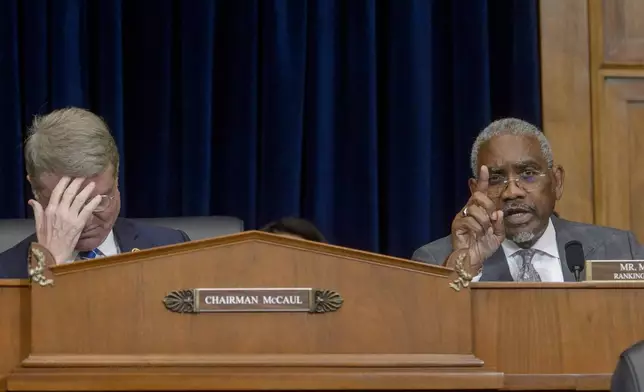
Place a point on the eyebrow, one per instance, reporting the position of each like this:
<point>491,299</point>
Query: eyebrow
<point>495,169</point>
<point>527,163</point>
<point>516,165</point>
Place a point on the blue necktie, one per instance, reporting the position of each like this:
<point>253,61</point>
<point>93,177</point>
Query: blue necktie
<point>91,254</point>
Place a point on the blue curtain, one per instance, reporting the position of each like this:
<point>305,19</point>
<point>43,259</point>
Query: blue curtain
<point>358,115</point>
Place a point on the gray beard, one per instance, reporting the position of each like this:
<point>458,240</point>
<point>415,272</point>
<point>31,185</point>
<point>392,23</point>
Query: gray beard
<point>522,237</point>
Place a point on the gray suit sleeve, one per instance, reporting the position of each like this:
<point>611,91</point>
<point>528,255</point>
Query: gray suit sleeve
<point>637,250</point>
<point>435,252</point>
<point>423,255</point>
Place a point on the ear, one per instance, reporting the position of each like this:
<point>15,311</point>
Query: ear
<point>559,176</point>
<point>34,188</point>
<point>472,183</point>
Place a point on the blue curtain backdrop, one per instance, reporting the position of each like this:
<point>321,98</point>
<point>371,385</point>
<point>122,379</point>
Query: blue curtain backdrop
<point>358,115</point>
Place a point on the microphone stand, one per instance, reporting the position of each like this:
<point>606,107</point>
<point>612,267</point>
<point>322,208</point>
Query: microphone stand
<point>577,273</point>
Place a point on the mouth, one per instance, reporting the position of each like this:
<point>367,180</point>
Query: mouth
<point>517,216</point>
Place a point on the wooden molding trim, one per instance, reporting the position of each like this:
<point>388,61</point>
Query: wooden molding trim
<point>257,237</point>
<point>15,282</point>
<point>258,360</point>
<point>207,378</point>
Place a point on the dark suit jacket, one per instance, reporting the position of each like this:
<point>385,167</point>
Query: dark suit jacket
<point>600,243</point>
<point>629,373</point>
<point>128,234</point>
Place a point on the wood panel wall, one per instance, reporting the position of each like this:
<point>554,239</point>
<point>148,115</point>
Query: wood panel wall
<point>592,64</point>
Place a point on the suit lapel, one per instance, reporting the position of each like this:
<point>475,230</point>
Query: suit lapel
<point>127,237</point>
<point>565,233</point>
<point>496,268</point>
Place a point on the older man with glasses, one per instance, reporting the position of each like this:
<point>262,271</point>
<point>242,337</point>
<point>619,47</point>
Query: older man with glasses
<point>72,165</point>
<point>508,230</point>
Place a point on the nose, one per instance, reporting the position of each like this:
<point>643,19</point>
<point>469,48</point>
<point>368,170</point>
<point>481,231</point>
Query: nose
<point>513,191</point>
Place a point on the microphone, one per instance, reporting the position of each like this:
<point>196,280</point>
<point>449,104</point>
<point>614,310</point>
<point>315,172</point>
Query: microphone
<point>575,258</point>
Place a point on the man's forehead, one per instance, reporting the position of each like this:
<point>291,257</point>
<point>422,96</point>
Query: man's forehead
<point>510,150</point>
<point>500,165</point>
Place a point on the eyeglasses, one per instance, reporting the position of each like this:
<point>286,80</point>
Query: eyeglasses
<point>103,204</point>
<point>529,181</point>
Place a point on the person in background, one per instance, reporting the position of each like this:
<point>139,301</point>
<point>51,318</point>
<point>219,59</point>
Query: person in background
<point>72,165</point>
<point>295,227</point>
<point>628,375</point>
<point>508,230</point>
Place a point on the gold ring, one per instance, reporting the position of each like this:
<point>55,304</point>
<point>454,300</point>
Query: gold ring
<point>465,211</point>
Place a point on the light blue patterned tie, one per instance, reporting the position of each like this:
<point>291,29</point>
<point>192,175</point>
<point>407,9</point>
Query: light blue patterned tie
<point>527,272</point>
<point>91,254</point>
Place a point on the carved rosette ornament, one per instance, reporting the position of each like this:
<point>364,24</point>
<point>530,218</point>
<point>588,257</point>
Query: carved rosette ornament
<point>180,301</point>
<point>327,301</point>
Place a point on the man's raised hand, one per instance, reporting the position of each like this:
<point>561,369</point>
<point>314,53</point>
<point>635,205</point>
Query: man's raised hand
<point>479,225</point>
<point>60,224</point>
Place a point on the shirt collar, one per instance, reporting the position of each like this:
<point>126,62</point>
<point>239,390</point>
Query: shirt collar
<point>547,243</point>
<point>108,247</point>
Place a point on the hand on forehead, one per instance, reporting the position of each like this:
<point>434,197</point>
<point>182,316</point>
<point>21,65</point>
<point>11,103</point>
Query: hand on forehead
<point>103,184</point>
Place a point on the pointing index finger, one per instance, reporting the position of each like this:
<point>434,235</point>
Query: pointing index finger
<point>483,180</point>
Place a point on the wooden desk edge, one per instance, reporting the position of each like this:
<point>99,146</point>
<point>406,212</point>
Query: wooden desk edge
<point>557,382</point>
<point>167,379</point>
<point>558,286</point>
<point>14,283</point>
<point>252,378</point>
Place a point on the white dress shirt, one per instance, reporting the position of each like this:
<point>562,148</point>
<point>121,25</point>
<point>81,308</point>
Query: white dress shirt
<point>546,258</point>
<point>108,247</point>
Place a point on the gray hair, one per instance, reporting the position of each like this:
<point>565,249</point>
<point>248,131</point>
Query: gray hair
<point>509,126</point>
<point>73,142</point>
